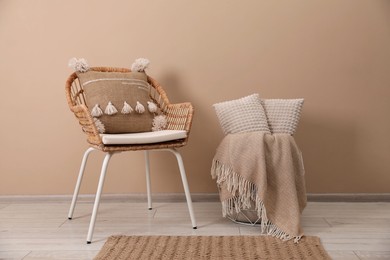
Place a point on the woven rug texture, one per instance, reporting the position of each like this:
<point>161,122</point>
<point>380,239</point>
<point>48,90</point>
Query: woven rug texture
<point>210,247</point>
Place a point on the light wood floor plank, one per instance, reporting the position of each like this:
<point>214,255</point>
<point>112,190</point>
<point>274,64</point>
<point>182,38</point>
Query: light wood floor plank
<point>343,255</point>
<point>59,255</point>
<point>13,255</point>
<point>368,255</point>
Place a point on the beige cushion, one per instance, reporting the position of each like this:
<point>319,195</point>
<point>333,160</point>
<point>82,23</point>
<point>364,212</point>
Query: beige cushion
<point>283,114</point>
<point>143,138</point>
<point>116,87</point>
<point>242,115</point>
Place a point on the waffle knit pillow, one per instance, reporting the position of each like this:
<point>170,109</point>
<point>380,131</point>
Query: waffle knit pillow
<point>283,114</point>
<point>242,115</point>
<point>119,100</point>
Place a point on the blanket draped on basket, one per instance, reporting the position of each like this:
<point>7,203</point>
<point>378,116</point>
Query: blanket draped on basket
<point>265,170</point>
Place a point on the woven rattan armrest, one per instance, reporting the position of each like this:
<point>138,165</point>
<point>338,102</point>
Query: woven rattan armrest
<point>87,123</point>
<point>179,116</point>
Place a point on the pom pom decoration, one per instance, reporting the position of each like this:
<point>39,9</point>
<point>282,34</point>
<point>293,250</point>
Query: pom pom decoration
<point>96,111</point>
<point>80,65</point>
<point>152,107</point>
<point>159,123</point>
<point>140,65</point>
<point>139,108</point>
<point>99,125</point>
<point>110,109</point>
<point>127,109</point>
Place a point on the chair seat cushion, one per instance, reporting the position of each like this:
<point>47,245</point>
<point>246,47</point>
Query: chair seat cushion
<point>143,138</point>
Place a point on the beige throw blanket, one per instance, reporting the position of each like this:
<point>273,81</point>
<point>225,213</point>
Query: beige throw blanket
<point>266,170</point>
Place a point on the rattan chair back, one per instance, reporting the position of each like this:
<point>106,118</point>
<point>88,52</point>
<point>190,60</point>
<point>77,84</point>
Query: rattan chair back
<point>179,116</point>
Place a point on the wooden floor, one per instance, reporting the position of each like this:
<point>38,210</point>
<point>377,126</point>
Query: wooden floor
<point>41,230</point>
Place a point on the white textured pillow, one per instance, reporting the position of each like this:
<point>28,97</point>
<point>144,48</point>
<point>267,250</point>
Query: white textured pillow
<point>242,115</point>
<point>283,114</point>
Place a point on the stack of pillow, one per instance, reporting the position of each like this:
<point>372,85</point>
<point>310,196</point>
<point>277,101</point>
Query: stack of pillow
<point>251,113</point>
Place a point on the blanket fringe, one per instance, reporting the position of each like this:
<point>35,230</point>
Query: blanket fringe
<point>244,192</point>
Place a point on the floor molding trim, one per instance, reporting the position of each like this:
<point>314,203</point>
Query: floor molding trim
<point>130,197</point>
<point>348,197</point>
<point>180,197</point>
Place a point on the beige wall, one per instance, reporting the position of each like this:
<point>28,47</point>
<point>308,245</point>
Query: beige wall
<point>335,54</point>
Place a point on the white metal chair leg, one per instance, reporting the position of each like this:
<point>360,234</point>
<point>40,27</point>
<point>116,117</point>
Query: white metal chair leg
<point>185,185</point>
<point>148,189</point>
<point>78,183</point>
<point>97,198</point>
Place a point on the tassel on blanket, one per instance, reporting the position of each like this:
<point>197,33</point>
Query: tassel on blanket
<point>247,191</point>
<point>234,184</point>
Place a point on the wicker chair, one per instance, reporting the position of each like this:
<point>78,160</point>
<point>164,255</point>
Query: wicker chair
<point>179,117</point>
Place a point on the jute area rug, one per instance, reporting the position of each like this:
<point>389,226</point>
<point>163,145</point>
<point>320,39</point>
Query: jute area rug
<point>210,247</point>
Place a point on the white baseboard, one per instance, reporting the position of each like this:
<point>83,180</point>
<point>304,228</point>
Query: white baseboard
<point>130,197</point>
<point>179,197</point>
<point>348,197</point>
